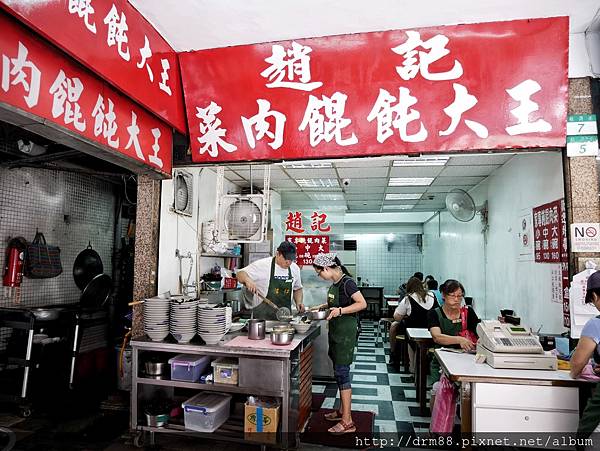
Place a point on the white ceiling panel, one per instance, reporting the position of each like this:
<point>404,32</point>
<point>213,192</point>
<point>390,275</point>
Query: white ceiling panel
<point>287,183</point>
<point>311,173</point>
<point>364,196</point>
<point>355,188</point>
<point>294,196</point>
<point>460,171</point>
<point>406,189</point>
<point>419,171</point>
<point>361,183</point>
<point>363,163</point>
<point>483,159</point>
<point>349,173</point>
<point>453,181</point>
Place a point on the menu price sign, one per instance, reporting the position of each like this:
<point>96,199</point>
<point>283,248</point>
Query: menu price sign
<point>548,232</point>
<point>308,246</point>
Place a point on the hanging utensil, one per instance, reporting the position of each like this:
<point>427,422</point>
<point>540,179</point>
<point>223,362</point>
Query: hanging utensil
<point>282,313</point>
<point>87,265</point>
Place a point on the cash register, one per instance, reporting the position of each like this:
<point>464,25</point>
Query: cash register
<point>512,347</point>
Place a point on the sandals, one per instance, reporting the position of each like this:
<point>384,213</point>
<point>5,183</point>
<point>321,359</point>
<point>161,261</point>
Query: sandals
<point>342,428</point>
<point>333,416</point>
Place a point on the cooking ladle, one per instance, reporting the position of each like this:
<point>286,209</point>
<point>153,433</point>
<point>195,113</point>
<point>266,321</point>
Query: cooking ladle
<point>282,313</point>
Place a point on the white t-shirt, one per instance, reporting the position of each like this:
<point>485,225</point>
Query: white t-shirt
<point>260,272</point>
<point>404,305</point>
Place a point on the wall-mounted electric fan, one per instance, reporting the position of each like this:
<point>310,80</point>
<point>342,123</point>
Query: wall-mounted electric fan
<point>183,187</point>
<point>462,207</point>
<point>242,218</point>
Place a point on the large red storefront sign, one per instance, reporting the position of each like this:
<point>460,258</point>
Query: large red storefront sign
<point>465,87</point>
<point>38,79</point>
<point>115,40</point>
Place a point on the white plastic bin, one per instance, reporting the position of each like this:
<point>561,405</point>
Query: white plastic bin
<point>188,367</point>
<point>206,412</point>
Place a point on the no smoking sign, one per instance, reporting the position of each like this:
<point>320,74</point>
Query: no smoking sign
<point>585,237</point>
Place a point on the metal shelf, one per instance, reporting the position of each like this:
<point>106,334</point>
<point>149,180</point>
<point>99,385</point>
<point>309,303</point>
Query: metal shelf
<point>220,255</point>
<point>226,388</point>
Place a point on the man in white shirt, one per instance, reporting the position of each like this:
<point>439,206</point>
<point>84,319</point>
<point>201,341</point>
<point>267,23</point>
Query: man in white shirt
<point>277,278</point>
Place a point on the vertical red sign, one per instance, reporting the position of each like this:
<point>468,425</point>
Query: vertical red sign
<point>308,246</point>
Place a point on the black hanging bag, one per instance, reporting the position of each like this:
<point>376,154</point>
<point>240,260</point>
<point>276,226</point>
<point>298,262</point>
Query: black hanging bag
<point>42,261</point>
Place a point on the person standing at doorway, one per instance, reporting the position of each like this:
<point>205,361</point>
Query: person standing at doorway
<point>344,301</point>
<point>276,278</point>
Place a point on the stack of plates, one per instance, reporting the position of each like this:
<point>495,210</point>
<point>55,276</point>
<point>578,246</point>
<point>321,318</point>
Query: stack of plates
<point>182,323</point>
<point>156,318</point>
<point>213,323</point>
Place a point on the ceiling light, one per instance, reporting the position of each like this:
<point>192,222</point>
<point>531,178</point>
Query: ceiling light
<point>422,161</point>
<point>410,181</point>
<point>398,207</point>
<point>318,183</point>
<point>326,196</point>
<point>307,164</point>
<point>401,196</point>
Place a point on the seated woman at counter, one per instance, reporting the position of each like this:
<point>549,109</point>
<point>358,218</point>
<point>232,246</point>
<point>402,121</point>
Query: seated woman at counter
<point>451,325</point>
<point>344,300</point>
<point>411,312</point>
<point>588,347</point>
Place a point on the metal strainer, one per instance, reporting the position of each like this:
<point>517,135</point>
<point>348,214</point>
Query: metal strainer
<point>282,313</point>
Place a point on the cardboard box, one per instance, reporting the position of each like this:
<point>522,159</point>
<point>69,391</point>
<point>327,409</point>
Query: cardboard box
<point>261,423</point>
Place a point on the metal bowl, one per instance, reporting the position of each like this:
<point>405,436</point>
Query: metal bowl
<point>152,368</point>
<point>282,338</point>
<point>318,314</point>
<point>47,314</point>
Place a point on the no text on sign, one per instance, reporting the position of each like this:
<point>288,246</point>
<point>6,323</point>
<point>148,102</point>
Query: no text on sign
<point>585,237</point>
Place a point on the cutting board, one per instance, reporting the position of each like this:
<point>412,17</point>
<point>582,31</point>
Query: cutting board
<point>245,342</point>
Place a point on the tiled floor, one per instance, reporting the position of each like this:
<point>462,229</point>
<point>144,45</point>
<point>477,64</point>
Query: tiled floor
<point>378,387</point>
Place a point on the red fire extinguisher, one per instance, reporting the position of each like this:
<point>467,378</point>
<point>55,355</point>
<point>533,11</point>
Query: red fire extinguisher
<point>15,261</point>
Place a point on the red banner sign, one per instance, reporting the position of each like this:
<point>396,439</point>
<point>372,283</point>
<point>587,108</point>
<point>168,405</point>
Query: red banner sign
<point>39,79</point>
<point>113,39</point>
<point>465,87</point>
<point>308,246</point>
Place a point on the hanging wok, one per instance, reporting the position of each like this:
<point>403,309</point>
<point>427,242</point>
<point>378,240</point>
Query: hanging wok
<point>88,265</point>
<point>96,292</point>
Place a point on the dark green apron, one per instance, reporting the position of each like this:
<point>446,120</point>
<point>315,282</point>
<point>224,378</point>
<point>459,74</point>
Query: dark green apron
<point>342,331</point>
<point>590,418</point>
<point>447,327</point>
<point>280,293</point>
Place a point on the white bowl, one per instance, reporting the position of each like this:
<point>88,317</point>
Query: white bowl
<point>301,328</point>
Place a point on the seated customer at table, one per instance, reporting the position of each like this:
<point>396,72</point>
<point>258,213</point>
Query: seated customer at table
<point>411,312</point>
<point>432,286</point>
<point>588,347</point>
<point>451,326</point>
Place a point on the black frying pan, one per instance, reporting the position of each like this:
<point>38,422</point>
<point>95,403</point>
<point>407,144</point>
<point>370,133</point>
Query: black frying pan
<point>96,292</point>
<point>88,265</point>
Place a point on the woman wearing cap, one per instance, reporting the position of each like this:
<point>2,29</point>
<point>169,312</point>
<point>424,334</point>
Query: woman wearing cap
<point>276,278</point>
<point>588,347</point>
<point>344,301</point>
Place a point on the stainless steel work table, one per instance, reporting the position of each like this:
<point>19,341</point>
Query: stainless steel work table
<point>292,367</point>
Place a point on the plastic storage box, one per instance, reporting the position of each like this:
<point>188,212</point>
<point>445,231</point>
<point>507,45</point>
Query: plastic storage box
<point>188,367</point>
<point>225,371</point>
<point>206,412</point>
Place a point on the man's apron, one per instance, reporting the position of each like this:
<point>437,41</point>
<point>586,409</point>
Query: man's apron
<point>280,293</point>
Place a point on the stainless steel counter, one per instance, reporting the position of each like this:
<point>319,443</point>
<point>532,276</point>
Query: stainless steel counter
<point>282,375</point>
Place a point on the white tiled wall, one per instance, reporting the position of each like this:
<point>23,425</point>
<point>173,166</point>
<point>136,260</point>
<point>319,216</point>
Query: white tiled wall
<point>387,265</point>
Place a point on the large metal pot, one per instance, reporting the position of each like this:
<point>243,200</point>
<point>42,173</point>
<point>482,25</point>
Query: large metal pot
<point>87,265</point>
<point>283,337</point>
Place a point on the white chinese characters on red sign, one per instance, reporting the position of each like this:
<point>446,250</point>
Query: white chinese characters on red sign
<point>40,80</point>
<point>306,100</point>
<point>114,39</point>
<point>308,246</point>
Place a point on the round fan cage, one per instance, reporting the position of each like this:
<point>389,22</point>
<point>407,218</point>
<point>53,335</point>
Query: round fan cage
<point>243,219</point>
<point>181,193</point>
<point>460,205</point>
